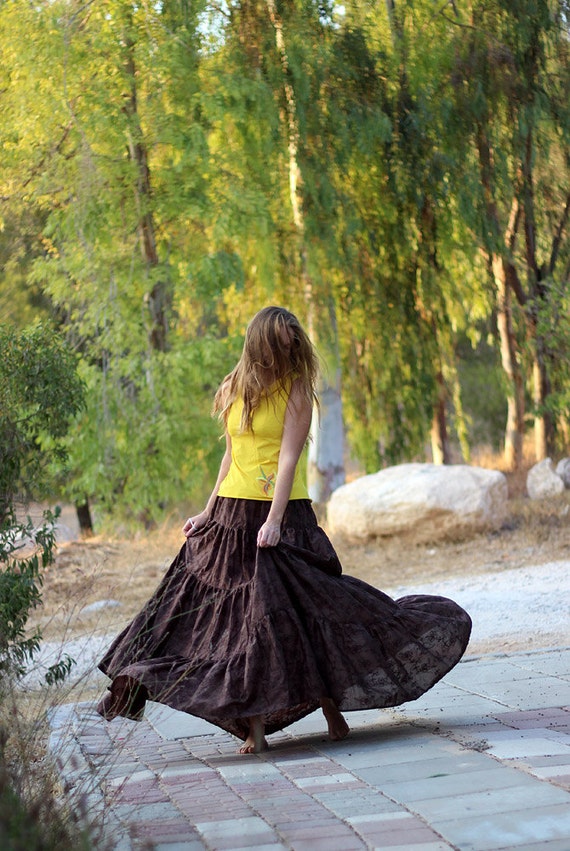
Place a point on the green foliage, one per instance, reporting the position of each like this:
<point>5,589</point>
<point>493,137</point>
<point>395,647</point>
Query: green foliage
<point>145,441</point>
<point>40,394</point>
<point>20,593</point>
<point>483,393</point>
<point>25,551</point>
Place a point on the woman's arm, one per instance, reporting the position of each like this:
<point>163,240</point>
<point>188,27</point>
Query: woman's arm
<point>193,524</point>
<point>295,432</point>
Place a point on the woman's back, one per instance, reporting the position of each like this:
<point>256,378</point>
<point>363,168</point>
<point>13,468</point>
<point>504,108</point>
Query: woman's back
<point>255,451</point>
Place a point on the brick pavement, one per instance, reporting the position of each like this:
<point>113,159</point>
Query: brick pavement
<point>481,763</point>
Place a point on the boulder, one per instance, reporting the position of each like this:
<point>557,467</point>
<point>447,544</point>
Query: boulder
<point>563,470</point>
<point>542,481</point>
<point>428,500</point>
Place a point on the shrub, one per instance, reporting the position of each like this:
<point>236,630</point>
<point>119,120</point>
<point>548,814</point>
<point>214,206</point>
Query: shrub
<point>40,394</point>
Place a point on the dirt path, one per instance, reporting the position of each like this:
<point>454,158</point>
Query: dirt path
<point>127,571</point>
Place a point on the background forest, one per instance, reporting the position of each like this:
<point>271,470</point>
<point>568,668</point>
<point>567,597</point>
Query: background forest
<point>397,173</point>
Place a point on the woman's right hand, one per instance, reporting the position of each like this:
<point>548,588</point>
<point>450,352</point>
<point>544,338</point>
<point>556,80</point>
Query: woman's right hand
<point>195,523</point>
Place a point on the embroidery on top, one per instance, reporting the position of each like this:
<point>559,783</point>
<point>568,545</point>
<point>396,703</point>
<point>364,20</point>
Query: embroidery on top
<point>268,481</point>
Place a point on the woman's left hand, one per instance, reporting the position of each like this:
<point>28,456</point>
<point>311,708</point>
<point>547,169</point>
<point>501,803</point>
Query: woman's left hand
<point>269,535</point>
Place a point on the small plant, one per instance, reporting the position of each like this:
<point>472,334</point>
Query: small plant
<point>24,552</point>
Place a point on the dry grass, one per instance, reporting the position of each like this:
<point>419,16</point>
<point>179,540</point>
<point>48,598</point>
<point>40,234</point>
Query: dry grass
<point>35,811</point>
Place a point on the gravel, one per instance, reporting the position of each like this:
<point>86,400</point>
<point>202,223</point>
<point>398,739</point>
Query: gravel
<point>528,606</point>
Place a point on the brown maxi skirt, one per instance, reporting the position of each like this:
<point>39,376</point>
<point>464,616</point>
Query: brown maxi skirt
<point>235,630</point>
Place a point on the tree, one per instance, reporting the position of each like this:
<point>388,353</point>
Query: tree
<point>40,395</point>
<point>510,75</point>
<point>395,173</point>
<point>117,169</point>
<point>407,287</point>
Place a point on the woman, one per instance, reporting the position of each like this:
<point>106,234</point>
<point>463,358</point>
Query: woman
<point>254,625</point>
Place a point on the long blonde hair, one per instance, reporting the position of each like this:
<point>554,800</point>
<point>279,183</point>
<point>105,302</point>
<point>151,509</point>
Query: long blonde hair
<point>267,360</point>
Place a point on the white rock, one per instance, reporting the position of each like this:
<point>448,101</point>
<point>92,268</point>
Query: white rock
<point>429,500</point>
<point>100,604</point>
<point>542,481</point>
<point>563,470</point>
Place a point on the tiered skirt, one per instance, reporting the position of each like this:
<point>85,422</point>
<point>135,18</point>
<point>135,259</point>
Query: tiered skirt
<point>234,630</point>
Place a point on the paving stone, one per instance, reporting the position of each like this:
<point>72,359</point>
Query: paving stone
<point>170,724</point>
<point>379,758</point>
<point>481,671</point>
<point>133,813</point>
<point>463,762</point>
<point>346,806</point>
<point>251,773</point>
<point>228,843</point>
<point>557,759</point>
<point>437,845</point>
<point>535,718</point>
<point>326,780</point>
<point>379,818</point>
<point>163,831</point>
<point>393,830</point>
<point>554,845</point>
<point>533,794</point>
<point>137,775</point>
<point>334,832</point>
<point>554,663</point>
<point>349,843</point>
<point>263,847</point>
<point>451,785</point>
<point>408,840</point>
<point>511,830</point>
<point>518,743</point>
<point>536,693</point>
<point>252,826</point>
<point>121,771</point>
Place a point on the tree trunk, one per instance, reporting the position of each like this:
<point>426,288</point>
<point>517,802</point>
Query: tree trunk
<point>84,519</point>
<point>429,266</point>
<point>543,421</point>
<point>158,298</point>
<point>514,432</point>
<point>440,447</point>
<point>564,429</point>
<point>326,453</point>
<point>506,280</point>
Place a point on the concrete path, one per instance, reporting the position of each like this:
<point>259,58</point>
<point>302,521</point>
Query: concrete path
<point>481,762</point>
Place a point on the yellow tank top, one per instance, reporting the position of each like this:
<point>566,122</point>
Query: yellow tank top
<point>255,453</point>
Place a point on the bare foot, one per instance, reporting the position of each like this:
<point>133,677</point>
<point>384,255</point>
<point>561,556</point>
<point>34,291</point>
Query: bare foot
<point>338,728</point>
<point>256,741</point>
